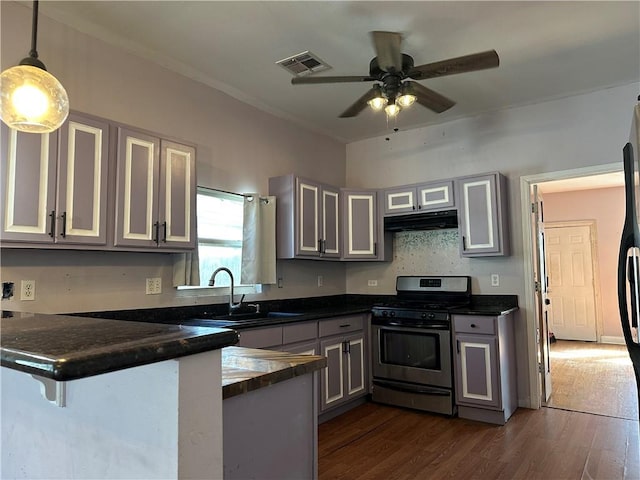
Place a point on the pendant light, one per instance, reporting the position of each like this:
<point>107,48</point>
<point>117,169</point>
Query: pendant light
<point>31,99</point>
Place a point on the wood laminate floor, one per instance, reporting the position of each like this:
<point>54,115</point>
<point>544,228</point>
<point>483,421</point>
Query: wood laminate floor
<point>376,441</point>
<point>594,378</point>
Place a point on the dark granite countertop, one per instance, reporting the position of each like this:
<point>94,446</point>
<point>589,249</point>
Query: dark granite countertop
<point>63,347</point>
<point>248,369</point>
<point>492,305</point>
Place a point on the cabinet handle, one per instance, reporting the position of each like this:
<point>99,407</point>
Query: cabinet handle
<point>164,232</point>
<point>414,207</point>
<point>63,217</point>
<point>348,346</point>
<point>375,249</point>
<point>458,346</point>
<point>320,246</point>
<point>345,325</point>
<point>419,207</point>
<point>473,325</point>
<point>52,223</point>
<point>464,243</point>
<point>156,227</point>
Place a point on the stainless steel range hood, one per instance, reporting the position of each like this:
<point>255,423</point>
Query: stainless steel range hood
<point>422,221</point>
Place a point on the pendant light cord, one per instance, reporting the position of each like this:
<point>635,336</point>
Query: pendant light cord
<point>34,31</point>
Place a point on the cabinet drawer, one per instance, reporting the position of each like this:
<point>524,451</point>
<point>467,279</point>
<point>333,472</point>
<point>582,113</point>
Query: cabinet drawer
<point>299,332</point>
<point>339,325</point>
<point>261,338</point>
<point>484,325</point>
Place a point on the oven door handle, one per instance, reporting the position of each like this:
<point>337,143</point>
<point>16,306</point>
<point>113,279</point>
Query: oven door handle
<point>403,387</point>
<point>430,326</point>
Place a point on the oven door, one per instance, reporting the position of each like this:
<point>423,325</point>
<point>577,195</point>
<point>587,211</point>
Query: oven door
<point>411,354</point>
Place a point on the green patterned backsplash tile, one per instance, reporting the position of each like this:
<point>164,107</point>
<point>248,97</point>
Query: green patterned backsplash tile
<point>433,252</point>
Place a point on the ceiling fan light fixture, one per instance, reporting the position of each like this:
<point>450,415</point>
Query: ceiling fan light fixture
<point>377,101</point>
<point>31,99</point>
<point>392,110</point>
<point>407,96</point>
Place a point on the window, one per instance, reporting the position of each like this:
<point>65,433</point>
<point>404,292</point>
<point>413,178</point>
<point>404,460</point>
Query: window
<point>219,234</point>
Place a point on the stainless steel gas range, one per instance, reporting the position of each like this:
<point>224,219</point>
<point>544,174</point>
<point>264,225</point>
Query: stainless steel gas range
<point>412,360</point>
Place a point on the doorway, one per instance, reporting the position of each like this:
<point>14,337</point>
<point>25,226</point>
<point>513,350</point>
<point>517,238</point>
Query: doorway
<point>537,358</point>
<point>572,272</point>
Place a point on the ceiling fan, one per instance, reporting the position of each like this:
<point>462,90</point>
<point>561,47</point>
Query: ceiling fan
<point>392,69</point>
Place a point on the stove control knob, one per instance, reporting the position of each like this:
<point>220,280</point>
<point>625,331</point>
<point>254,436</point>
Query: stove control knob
<point>424,315</point>
<point>385,313</point>
<point>432,316</point>
<point>392,313</point>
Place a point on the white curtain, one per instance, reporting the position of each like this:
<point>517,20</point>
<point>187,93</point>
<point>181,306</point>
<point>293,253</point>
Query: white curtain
<point>259,240</point>
<point>186,268</point>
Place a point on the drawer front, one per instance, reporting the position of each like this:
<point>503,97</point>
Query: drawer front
<point>339,325</point>
<point>261,337</point>
<point>299,332</point>
<point>483,325</point>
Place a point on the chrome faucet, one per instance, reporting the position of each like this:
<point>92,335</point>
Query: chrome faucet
<point>232,306</point>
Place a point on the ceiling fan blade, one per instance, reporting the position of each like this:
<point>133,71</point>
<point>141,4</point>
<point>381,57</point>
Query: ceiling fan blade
<point>430,99</point>
<point>387,45</point>
<point>467,63</point>
<point>345,79</point>
<point>359,104</point>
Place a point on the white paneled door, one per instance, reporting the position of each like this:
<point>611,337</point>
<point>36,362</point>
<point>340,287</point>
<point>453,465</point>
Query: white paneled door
<point>571,282</point>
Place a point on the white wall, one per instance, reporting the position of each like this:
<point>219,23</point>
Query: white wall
<point>579,131</point>
<point>238,149</point>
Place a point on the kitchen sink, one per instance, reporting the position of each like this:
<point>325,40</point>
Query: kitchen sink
<point>239,317</point>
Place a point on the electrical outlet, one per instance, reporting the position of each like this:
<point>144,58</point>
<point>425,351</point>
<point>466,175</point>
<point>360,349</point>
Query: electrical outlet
<point>280,282</point>
<point>154,286</point>
<point>320,280</point>
<point>372,283</point>
<point>495,280</point>
<point>28,290</point>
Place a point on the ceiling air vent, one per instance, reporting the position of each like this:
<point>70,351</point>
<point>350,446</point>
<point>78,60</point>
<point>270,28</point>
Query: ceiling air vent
<point>302,64</point>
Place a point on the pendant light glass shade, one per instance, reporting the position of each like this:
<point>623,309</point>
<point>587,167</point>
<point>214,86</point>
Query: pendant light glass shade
<point>392,110</point>
<point>407,96</point>
<point>32,100</point>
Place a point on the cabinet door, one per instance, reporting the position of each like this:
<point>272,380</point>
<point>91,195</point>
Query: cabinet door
<point>479,216</point>
<point>477,379</point>
<point>177,196</point>
<point>399,200</point>
<point>355,366</point>
<point>308,234</point>
<point>435,196</point>
<point>137,189</point>
<point>360,231</point>
<point>27,186</point>
<point>332,376</point>
<point>330,222</point>
<point>82,181</point>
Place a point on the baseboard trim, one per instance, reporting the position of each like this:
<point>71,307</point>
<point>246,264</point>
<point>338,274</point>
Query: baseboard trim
<point>612,340</point>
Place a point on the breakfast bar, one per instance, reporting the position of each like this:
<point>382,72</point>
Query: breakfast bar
<point>93,398</point>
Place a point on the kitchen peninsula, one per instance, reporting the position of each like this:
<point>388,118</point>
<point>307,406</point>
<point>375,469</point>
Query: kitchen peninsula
<point>132,399</point>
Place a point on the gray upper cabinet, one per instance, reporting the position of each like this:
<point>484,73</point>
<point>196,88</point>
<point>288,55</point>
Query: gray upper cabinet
<point>482,215</point>
<point>430,196</point>
<point>55,185</point>
<point>307,217</point>
<point>361,234</point>
<point>155,192</point>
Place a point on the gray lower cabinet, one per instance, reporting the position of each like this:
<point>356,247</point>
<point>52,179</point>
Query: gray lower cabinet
<point>54,185</point>
<point>155,192</point>
<point>343,342</point>
<point>485,367</point>
<point>341,339</point>
<point>482,215</point>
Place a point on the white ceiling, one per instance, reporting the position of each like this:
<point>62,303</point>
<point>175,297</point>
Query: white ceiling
<point>547,50</point>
